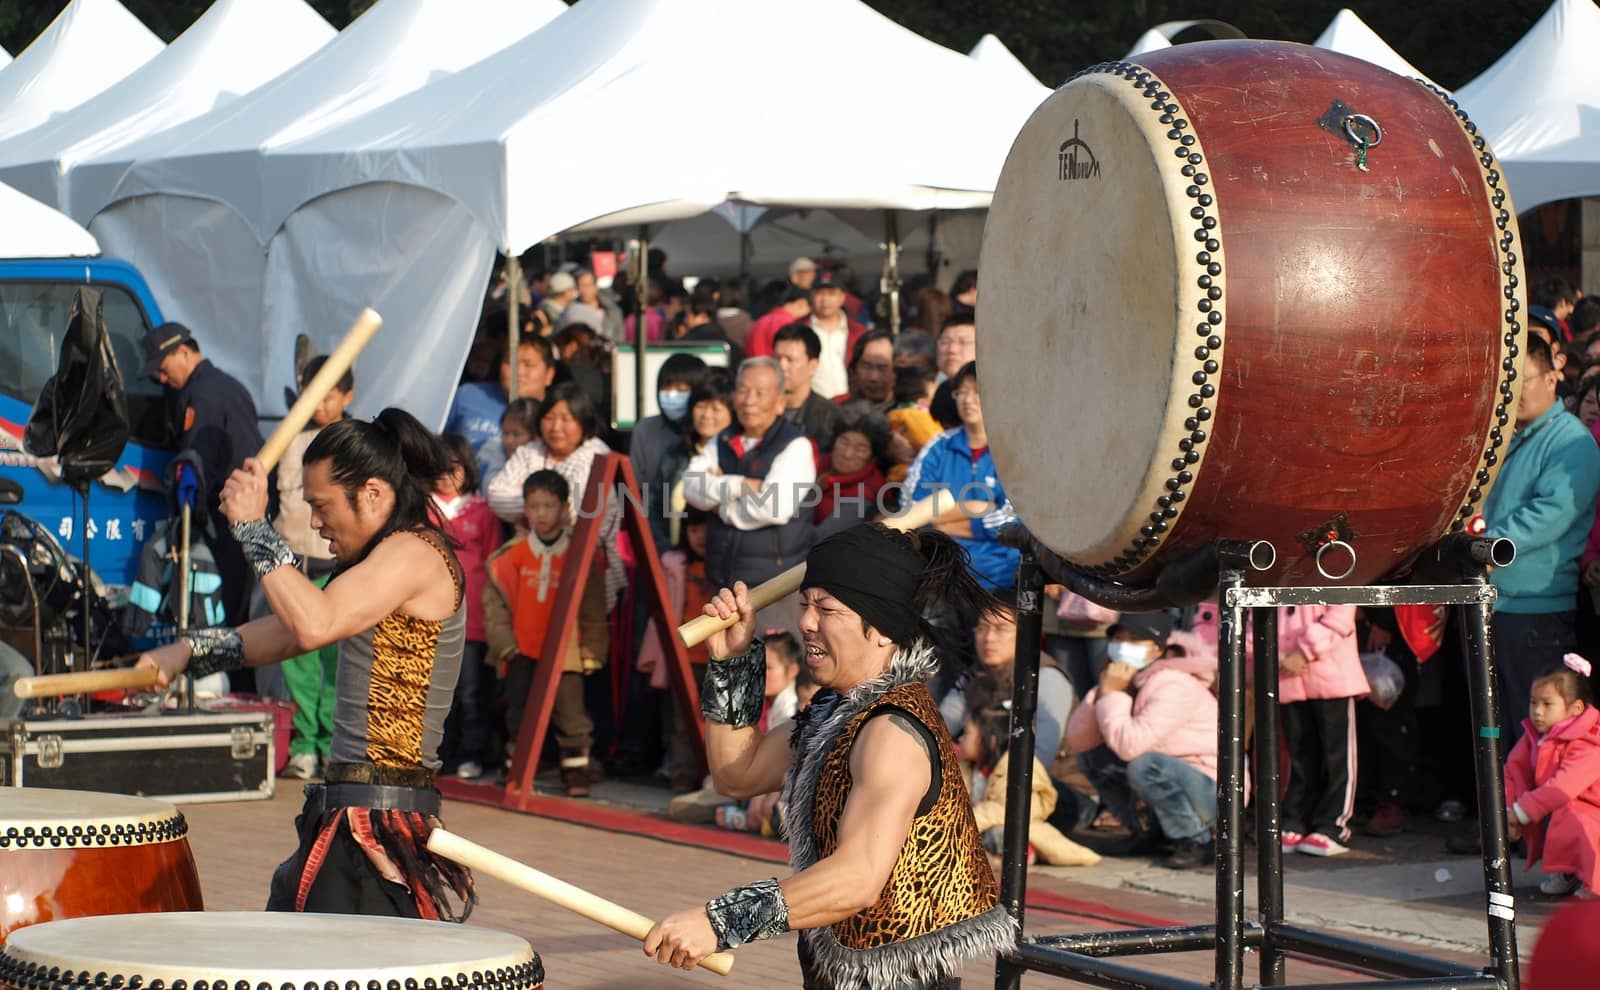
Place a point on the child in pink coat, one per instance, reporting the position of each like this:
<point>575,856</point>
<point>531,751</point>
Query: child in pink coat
<point>1319,680</point>
<point>1553,780</point>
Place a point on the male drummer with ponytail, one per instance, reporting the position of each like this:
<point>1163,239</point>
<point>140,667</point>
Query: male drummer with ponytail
<point>868,762</point>
<point>395,607</point>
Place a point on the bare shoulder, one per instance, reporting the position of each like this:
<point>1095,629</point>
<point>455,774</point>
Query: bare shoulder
<point>417,567</point>
<point>890,745</point>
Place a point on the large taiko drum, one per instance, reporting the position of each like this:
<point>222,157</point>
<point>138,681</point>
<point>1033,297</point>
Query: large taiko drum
<point>1249,290</point>
<point>68,854</point>
<point>266,951</point>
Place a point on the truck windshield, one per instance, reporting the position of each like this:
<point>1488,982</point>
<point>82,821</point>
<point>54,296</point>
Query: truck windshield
<point>33,316</point>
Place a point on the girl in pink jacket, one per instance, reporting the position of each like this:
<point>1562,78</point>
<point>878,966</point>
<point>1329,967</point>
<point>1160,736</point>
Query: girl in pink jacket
<point>1319,680</point>
<point>1553,780</point>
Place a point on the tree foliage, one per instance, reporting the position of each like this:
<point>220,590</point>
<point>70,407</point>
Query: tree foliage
<point>1449,40</point>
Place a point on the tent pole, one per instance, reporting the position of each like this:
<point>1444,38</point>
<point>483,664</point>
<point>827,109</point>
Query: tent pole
<point>513,297</point>
<point>933,247</point>
<point>891,268</point>
<point>640,329</point>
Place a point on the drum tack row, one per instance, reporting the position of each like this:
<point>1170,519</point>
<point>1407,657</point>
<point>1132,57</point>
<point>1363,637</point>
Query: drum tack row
<point>109,872</point>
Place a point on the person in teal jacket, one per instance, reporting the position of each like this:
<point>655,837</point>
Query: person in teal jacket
<point>1544,502</point>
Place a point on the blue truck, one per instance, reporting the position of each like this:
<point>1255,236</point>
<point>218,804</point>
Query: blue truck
<point>124,505</point>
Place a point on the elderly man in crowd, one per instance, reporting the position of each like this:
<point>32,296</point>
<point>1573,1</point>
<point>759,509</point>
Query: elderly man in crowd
<point>753,481</point>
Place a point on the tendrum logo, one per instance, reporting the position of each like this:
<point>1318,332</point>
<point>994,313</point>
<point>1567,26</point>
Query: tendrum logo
<point>1076,159</point>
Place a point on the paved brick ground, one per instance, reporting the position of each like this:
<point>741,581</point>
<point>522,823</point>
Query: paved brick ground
<point>237,846</point>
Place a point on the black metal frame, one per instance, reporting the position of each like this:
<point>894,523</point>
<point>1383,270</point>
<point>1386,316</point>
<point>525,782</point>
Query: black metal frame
<point>1086,957</point>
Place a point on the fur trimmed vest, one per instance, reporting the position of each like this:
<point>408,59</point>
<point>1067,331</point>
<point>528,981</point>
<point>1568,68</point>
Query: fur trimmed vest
<point>941,907</point>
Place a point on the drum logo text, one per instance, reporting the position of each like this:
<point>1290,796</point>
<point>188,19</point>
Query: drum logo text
<point>1076,160</point>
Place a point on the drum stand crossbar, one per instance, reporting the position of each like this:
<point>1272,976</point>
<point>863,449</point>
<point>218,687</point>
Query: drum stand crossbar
<point>1087,958</point>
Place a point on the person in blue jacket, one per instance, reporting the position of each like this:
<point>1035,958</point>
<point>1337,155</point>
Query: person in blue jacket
<point>1544,502</point>
<point>959,461</point>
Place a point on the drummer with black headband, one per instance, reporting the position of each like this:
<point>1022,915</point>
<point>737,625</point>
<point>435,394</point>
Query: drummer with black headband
<point>395,608</point>
<point>892,886</point>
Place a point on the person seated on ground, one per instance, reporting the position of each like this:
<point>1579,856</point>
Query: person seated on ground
<point>1552,780</point>
<point>519,599</point>
<point>759,814</point>
<point>1148,731</point>
<point>996,639</point>
<point>984,745</point>
<point>851,482</point>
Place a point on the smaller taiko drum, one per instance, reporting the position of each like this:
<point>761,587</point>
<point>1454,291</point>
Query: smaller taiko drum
<point>70,854</point>
<point>266,951</point>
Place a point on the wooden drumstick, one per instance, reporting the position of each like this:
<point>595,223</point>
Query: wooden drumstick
<point>325,379</point>
<point>55,685</point>
<point>767,593</point>
<point>559,892</point>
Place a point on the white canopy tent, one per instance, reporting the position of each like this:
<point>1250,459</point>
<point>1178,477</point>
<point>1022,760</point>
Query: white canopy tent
<point>90,46</point>
<point>461,156</point>
<point>402,207</point>
<point>5,58</point>
<point>231,49</point>
<point>30,229</point>
<point>1151,41</point>
<point>183,202</point>
<point>1348,34</point>
<point>1538,110</point>
<point>992,53</point>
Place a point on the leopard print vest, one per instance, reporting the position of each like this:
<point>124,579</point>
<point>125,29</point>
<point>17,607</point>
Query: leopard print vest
<point>940,907</point>
<point>395,684</point>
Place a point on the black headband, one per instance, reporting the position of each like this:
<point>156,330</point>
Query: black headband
<point>876,573</point>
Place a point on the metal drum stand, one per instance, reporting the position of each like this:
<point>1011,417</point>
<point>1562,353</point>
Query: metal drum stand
<point>1459,566</point>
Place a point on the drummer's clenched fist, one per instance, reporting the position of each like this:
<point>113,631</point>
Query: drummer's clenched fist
<point>726,604</point>
<point>169,661</point>
<point>683,939</point>
<point>244,494</point>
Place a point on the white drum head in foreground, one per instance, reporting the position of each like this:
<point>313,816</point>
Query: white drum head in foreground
<point>266,947</point>
<point>1086,267</point>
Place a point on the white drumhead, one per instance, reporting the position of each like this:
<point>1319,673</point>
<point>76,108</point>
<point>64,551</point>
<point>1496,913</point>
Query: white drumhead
<point>37,814</point>
<point>1087,317</point>
<point>266,947</point>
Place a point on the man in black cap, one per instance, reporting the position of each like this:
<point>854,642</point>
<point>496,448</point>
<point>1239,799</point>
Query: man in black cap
<point>868,763</point>
<point>837,332</point>
<point>1148,731</point>
<point>213,419</point>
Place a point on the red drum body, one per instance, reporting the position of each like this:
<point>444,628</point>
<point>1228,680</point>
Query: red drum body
<point>1249,290</point>
<point>69,854</point>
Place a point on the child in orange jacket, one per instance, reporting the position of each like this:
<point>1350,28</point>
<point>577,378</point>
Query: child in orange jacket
<point>518,603</point>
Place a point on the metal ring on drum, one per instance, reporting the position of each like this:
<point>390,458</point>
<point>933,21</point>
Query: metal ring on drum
<point>1372,126</point>
<point>1322,566</point>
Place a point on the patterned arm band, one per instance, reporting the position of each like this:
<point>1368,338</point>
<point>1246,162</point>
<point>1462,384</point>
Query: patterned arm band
<point>263,546</point>
<point>214,649</point>
<point>735,687</point>
<point>748,914</point>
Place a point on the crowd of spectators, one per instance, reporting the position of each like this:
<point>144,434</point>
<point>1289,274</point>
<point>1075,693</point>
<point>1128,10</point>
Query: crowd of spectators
<point>804,414</point>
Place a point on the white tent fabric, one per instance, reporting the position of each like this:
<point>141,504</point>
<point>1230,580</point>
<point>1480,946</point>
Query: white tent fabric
<point>708,245</point>
<point>1539,112</point>
<point>89,47</point>
<point>5,58</point>
<point>500,144</point>
<point>203,257</point>
<point>231,49</point>
<point>993,53</point>
<point>1151,41</point>
<point>1348,34</point>
<point>30,229</point>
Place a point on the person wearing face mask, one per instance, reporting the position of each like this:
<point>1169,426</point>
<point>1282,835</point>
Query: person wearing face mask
<point>653,435</point>
<point>1148,731</point>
